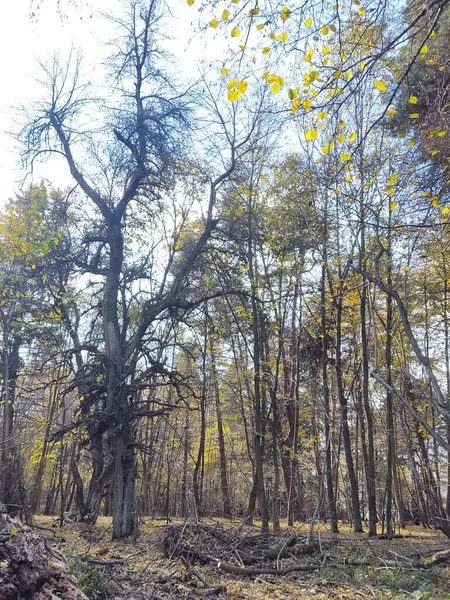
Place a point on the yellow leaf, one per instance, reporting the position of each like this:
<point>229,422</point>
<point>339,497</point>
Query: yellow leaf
<point>190,2</point>
<point>309,55</point>
<point>292,94</point>
<point>424,50</point>
<point>391,111</point>
<point>226,15</point>
<point>285,13</point>
<point>326,148</point>
<point>361,12</point>
<point>341,125</point>
<point>311,135</point>
<point>295,105</point>
<point>81,398</point>
<point>325,50</point>
<point>224,72</point>
<point>393,205</point>
<point>236,32</point>
<point>14,531</point>
<point>352,136</point>
<point>435,152</point>
<point>282,37</point>
<point>446,210</point>
<point>254,12</point>
<point>242,47</point>
<point>214,23</point>
<point>78,412</point>
<point>322,115</point>
<point>413,99</point>
<point>412,143</point>
<point>414,116</point>
<point>231,84</point>
<point>380,85</point>
<point>325,29</point>
<point>442,133</point>
<point>341,138</point>
<point>345,157</point>
<point>362,64</point>
<point>265,50</point>
<point>308,22</point>
<point>406,269</point>
<point>260,26</point>
<point>242,86</point>
<point>33,267</point>
<point>307,104</point>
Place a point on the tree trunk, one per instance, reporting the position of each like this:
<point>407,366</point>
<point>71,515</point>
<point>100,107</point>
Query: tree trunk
<point>326,400</point>
<point>124,503</point>
<point>226,503</point>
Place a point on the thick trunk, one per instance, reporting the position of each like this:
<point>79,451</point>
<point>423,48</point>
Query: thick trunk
<point>124,503</point>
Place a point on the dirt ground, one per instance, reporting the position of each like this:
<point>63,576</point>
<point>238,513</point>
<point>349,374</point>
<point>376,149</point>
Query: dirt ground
<point>136,569</point>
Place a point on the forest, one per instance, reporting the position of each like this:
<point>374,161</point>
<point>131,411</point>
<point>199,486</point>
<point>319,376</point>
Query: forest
<point>225,341</point>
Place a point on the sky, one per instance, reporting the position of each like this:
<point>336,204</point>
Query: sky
<point>24,40</point>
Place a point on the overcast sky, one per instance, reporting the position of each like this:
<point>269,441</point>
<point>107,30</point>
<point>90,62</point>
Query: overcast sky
<point>24,40</point>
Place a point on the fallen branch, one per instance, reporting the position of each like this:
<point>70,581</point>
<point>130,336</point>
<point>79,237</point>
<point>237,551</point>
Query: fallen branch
<point>251,571</point>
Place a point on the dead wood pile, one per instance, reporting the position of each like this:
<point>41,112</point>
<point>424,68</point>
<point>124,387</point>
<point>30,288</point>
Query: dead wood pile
<point>29,568</point>
<point>247,554</point>
<point>240,553</point>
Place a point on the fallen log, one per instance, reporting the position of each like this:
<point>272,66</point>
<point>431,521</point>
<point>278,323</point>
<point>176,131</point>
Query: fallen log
<point>29,568</point>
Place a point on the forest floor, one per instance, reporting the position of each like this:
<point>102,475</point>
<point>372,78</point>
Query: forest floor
<point>351,566</point>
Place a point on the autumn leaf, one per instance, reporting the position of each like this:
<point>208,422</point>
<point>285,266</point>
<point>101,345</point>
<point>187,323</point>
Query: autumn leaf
<point>285,13</point>
<point>380,85</point>
<point>236,32</point>
<point>214,23</point>
<point>308,22</point>
<point>311,135</point>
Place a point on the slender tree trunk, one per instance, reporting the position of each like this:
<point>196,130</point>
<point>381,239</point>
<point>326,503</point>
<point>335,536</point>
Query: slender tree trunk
<point>370,462</point>
<point>198,469</point>
<point>259,415</point>
<point>226,503</point>
<point>326,400</point>
<point>356,508</point>
<point>389,409</point>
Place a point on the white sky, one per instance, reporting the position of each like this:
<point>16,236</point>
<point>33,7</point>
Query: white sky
<point>24,40</point>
